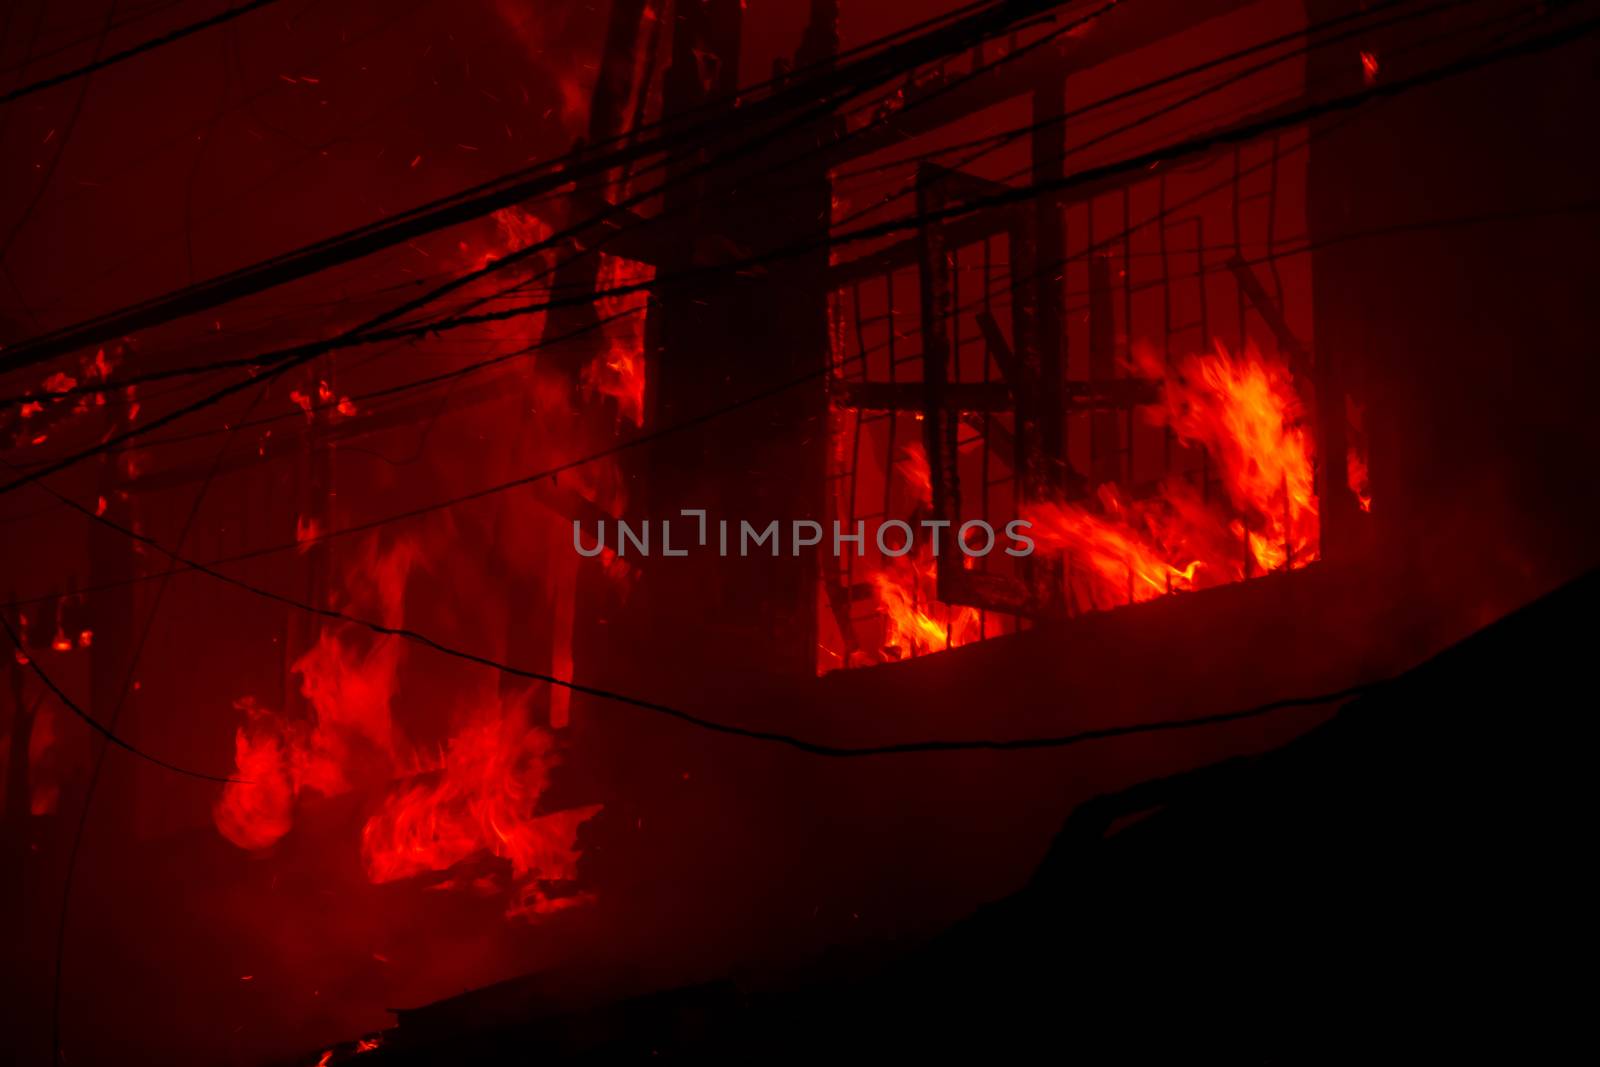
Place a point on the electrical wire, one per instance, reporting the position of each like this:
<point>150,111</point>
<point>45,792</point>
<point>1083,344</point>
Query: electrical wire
<point>141,48</point>
<point>69,878</point>
<point>845,79</point>
<point>814,748</point>
<point>536,307</point>
<point>364,333</point>
<point>1007,135</point>
<point>1548,40</point>
<point>95,724</point>
<point>820,373</point>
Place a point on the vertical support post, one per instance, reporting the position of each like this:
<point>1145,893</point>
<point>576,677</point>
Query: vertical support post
<point>938,421</point>
<point>1103,450</point>
<point>1049,150</point>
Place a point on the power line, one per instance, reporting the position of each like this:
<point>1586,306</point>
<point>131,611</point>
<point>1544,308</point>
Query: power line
<point>1230,135</point>
<point>138,15</point>
<point>1223,136</point>
<point>100,759</point>
<point>846,79</point>
<point>93,723</point>
<point>61,150</point>
<point>300,354</point>
<point>1236,134</point>
<point>254,360</point>
<point>993,140</point>
<point>688,717</point>
<point>139,49</point>
<point>650,437</point>
<point>656,707</point>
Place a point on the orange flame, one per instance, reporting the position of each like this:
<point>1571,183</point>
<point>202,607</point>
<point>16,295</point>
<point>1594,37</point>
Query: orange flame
<point>1113,560</point>
<point>904,588</point>
<point>1244,411</point>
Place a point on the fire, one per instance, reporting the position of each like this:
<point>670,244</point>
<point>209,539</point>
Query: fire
<point>618,372</point>
<point>307,531</point>
<point>1356,478</point>
<point>904,588</point>
<point>913,465</point>
<point>515,229</point>
<point>38,418</point>
<point>1355,459</point>
<point>1112,558</point>
<point>46,763</point>
<point>479,796</point>
<point>1246,414</point>
<point>915,622</point>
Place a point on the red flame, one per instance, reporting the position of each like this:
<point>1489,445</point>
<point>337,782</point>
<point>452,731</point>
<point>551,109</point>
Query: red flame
<point>481,797</point>
<point>306,532</point>
<point>1114,560</point>
<point>914,623</point>
<point>913,466</point>
<point>619,372</point>
<point>1355,459</point>
<point>478,797</point>
<point>1244,411</point>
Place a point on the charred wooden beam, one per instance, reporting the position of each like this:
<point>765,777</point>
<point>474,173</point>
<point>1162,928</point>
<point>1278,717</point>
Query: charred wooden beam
<point>1272,315</point>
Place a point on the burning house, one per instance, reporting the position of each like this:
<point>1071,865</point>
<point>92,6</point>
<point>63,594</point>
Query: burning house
<point>1263,322</point>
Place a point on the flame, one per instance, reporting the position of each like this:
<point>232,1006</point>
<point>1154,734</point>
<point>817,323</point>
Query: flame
<point>46,762</point>
<point>479,796</point>
<point>913,466</point>
<point>619,372</point>
<point>904,586</point>
<point>1114,562</point>
<point>904,591</point>
<point>515,229</point>
<point>1244,411</point>
<point>1355,458</point>
<point>1356,477</point>
<point>307,531</point>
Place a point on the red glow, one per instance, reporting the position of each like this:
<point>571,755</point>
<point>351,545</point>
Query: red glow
<point>478,796</point>
<point>1244,411</point>
<point>618,372</point>
<point>1356,476</point>
<point>914,623</point>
